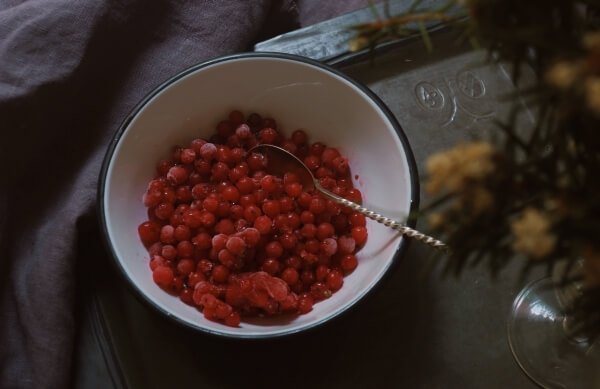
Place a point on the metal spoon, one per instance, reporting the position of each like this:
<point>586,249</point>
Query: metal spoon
<point>281,161</point>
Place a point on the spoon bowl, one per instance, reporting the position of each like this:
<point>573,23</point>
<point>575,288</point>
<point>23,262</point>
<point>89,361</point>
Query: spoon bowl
<point>281,161</point>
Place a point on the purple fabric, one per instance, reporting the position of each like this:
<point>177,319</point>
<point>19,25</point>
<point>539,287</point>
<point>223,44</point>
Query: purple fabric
<point>69,73</point>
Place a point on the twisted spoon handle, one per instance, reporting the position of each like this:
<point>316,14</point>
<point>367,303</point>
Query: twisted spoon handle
<point>404,230</point>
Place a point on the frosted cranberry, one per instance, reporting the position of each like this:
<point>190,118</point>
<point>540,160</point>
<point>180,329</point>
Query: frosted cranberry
<point>340,164</point>
<point>319,291</point>
<point>245,185</point>
<point>207,219</point>
<point>247,199</point>
<point>268,135</point>
<point>256,161</point>
<point>321,273</point>
<point>346,245</point>
<point>239,224</point>
<point>202,240</point>
<point>200,191</point>
<point>317,205</point>
<point>289,146</point>
<point>183,194</point>
<point>348,263</point>
<point>192,218</point>
<point>168,195</point>
<point>307,217</point>
<point>236,212</point>
<point>149,232</point>
<point>357,220</point>
<point>185,266</point>
<point>294,262</point>
<point>185,249</point>
<point>329,247</point>
<point>269,183</point>
<point>202,167</point>
<point>167,234</point>
<point>251,236</point>
<point>204,266</point>
<point>236,245</point>
<point>299,137</point>
<point>152,197</point>
<point>227,258</point>
<point>233,320</point>
<point>236,117</point>
<point>211,204</point>
<point>156,261</point>
<point>325,230</point>
<point>324,172</point>
<point>243,131</point>
<point>186,296</point>
<point>197,144</point>
<point>260,195</point>
<point>177,175</point>
<point>286,204</point>
<point>317,148</point>
<point>274,249</point>
<point>163,166</point>
<point>271,266</point>
<point>194,278</point>
<point>290,275</point>
<point>263,224</point>
<point>312,246</point>
<point>312,162</point>
<point>354,195</point>
<point>271,208</point>
<point>288,241</point>
<point>155,249</point>
<point>169,252</point>
<point>163,276</point>
<point>334,280</point>
<point>182,232</point>
<point>294,189</point>
<point>164,211</point>
<point>188,156</point>
<point>219,241</point>
<point>329,154</point>
<point>222,310</point>
<point>307,277</point>
<point>251,213</point>
<point>220,273</point>
<point>360,235</point>
<point>308,230</point>
<point>230,193</point>
<point>237,154</point>
<point>305,304</point>
<point>219,171</point>
<point>208,151</point>
<point>224,226</point>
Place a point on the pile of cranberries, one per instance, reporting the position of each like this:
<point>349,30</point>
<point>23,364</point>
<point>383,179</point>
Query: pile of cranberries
<point>233,240</point>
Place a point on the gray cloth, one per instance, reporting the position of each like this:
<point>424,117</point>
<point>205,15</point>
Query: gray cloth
<point>69,73</point>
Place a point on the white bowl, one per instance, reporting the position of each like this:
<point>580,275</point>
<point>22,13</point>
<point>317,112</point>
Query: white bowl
<point>297,93</point>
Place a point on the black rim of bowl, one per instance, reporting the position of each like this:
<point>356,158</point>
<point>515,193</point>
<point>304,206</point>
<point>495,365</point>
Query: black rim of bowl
<point>402,247</point>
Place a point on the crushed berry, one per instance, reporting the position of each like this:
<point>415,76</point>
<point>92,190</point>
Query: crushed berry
<point>235,241</point>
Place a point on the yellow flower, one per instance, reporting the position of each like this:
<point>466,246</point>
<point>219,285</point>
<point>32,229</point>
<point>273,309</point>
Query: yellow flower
<point>592,94</point>
<point>591,40</point>
<point>436,220</point>
<point>562,74</point>
<point>452,168</point>
<point>358,43</point>
<point>532,235</point>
